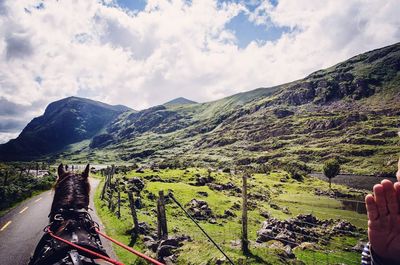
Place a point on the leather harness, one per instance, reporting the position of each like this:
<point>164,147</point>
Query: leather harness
<point>74,225</point>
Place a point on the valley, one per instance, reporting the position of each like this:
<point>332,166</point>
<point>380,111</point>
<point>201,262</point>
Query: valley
<point>289,221</point>
<point>280,137</point>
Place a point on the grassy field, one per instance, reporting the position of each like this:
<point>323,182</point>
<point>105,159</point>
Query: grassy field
<point>275,193</point>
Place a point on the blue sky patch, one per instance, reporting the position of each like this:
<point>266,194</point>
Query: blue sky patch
<point>134,5</point>
<point>247,31</point>
<point>244,30</point>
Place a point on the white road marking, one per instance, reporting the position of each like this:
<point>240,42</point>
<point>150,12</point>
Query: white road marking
<point>23,210</point>
<point>5,226</point>
<point>38,199</point>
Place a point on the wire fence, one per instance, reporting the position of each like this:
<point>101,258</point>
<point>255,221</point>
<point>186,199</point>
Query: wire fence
<point>314,231</point>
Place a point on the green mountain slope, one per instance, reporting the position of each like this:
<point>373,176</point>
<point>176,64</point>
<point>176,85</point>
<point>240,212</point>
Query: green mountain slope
<point>66,121</point>
<point>179,101</point>
<point>349,111</point>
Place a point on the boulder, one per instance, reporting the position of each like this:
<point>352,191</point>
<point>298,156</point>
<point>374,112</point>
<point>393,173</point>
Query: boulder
<point>136,184</point>
<point>228,213</point>
<point>202,181</point>
<point>199,209</point>
<point>165,251</point>
<point>202,193</point>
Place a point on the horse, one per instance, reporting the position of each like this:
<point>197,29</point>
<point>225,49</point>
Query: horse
<point>70,222</point>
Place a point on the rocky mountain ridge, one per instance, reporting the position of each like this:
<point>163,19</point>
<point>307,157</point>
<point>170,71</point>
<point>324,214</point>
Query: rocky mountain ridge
<point>349,111</point>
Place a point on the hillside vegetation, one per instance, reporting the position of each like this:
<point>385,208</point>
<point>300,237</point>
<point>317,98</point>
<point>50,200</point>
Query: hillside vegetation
<point>349,111</point>
<point>309,224</point>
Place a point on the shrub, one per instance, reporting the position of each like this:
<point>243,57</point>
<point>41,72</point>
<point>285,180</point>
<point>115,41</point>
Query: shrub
<point>331,169</point>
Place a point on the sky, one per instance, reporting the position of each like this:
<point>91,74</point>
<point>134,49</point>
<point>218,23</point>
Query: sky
<point>145,52</point>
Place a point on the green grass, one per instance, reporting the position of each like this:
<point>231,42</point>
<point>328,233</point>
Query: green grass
<point>298,197</point>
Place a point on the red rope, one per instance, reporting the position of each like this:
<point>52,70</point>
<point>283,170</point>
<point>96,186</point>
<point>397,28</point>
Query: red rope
<point>137,253</point>
<point>84,249</point>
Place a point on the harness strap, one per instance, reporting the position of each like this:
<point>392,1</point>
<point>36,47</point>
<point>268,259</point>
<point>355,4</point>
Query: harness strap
<point>115,262</point>
<point>137,253</point>
<point>74,255</point>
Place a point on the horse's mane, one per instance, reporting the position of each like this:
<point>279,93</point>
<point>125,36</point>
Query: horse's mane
<point>71,190</point>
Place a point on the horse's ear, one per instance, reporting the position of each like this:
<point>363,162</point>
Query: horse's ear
<point>85,173</point>
<point>60,170</point>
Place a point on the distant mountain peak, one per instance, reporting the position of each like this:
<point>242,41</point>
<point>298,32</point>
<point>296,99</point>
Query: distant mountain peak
<point>179,101</point>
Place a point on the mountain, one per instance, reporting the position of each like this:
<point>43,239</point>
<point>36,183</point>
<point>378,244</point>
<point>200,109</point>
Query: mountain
<point>349,111</point>
<point>64,122</point>
<point>179,101</point>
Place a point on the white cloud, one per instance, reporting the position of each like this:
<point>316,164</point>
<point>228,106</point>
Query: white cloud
<point>174,48</point>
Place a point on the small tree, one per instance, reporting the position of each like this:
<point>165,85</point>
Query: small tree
<point>331,170</point>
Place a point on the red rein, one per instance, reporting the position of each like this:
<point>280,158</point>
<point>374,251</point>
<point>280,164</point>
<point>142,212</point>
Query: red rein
<point>153,261</point>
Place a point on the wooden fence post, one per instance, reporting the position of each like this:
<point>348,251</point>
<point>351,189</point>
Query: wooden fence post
<point>105,184</point>
<point>111,174</point>
<point>118,199</point>
<point>134,215</point>
<point>162,231</point>
<point>245,240</point>
<point>110,195</point>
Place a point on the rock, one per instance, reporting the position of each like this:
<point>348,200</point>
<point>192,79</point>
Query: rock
<point>235,206</point>
<point>202,181</point>
<point>236,243</point>
<point>227,186</point>
<point>136,184</point>
<point>199,209</point>
<point>140,170</point>
<point>170,241</point>
<point>343,228</point>
<point>275,206</point>
<point>307,246</point>
<point>285,210</point>
<point>138,203</point>
<point>289,252</point>
<point>151,196</point>
<point>203,193</point>
<point>287,237</point>
<point>229,213</point>
<point>283,180</point>
<point>264,235</point>
<point>170,260</point>
<point>214,186</point>
<point>307,219</point>
<point>144,228</point>
<point>154,178</point>
<point>265,214</point>
<point>284,251</point>
<point>150,243</point>
<point>359,247</point>
<point>282,113</point>
<point>212,221</point>
<point>220,261</point>
<point>275,244</point>
<point>164,251</point>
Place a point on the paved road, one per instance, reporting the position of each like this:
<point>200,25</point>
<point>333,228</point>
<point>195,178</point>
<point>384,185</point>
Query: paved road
<point>22,228</point>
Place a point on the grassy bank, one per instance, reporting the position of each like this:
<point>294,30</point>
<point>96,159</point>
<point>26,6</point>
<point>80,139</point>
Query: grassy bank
<point>18,184</point>
<point>275,194</point>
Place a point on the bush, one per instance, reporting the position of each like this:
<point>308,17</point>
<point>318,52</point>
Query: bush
<point>19,188</point>
<point>297,170</point>
<point>331,169</point>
